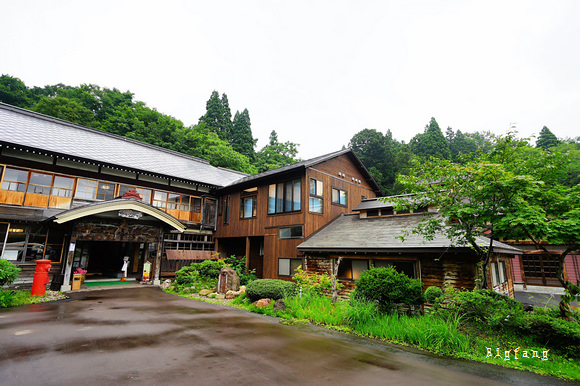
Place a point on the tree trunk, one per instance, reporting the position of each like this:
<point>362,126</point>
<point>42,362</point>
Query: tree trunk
<point>334,274</point>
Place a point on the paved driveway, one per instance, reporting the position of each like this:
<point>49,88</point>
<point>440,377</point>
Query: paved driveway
<point>145,336</point>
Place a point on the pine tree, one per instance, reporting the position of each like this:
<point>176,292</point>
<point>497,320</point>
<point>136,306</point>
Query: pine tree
<point>242,140</point>
<point>547,139</point>
<point>218,116</point>
<point>431,143</point>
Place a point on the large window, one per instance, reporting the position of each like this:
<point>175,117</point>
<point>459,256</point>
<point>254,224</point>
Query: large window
<point>62,187</point>
<point>351,269</point>
<point>288,266</point>
<point>248,207</point>
<point>15,180</point>
<point>316,196</point>
<point>339,197</point>
<point>284,197</point>
<point>39,183</point>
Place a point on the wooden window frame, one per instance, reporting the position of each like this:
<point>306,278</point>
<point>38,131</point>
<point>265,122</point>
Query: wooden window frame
<point>315,194</point>
<point>253,213</point>
<point>291,261</point>
<point>339,191</point>
<point>278,197</point>
<point>281,229</point>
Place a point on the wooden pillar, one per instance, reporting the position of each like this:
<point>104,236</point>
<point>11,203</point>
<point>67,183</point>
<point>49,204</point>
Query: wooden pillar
<point>68,265</point>
<point>247,253</point>
<point>156,280</point>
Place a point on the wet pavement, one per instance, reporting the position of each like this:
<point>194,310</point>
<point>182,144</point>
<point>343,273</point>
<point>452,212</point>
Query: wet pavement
<point>145,336</point>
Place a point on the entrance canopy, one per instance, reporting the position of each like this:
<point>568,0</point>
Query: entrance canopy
<point>122,207</point>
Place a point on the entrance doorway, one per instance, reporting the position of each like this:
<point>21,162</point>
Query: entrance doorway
<point>104,259</point>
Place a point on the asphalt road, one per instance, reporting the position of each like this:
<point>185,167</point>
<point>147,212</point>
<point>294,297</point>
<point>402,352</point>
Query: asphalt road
<point>145,336</point>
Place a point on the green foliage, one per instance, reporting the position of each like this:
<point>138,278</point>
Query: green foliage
<point>198,275</point>
<point>8,272</point>
<point>276,154</point>
<point>431,143</point>
<point>432,294</point>
<point>270,289</point>
<point>375,150</point>
<point>314,282</point>
<point>7,298</point>
<point>239,265</point>
<point>561,335</point>
<point>242,139</point>
<point>547,139</point>
<point>487,308</point>
<point>389,288</point>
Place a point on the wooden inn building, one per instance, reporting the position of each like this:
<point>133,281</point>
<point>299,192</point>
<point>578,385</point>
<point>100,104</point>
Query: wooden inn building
<point>85,199</point>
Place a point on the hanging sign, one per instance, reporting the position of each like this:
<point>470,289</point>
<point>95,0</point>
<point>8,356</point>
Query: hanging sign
<point>128,213</point>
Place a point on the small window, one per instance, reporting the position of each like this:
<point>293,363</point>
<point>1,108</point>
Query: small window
<point>62,187</point>
<point>498,275</point>
<point>351,269</point>
<point>339,197</point>
<point>288,266</point>
<point>248,207</point>
<point>372,213</point>
<point>86,189</point>
<point>39,183</point>
<point>105,191</point>
<point>294,232</point>
<point>316,196</point>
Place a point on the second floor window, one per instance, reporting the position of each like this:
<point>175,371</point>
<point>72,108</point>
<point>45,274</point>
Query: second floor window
<point>316,196</point>
<point>248,207</point>
<point>284,197</point>
<point>339,196</point>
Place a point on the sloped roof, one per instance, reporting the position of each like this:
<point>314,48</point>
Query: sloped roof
<point>350,233</point>
<point>37,131</point>
<point>252,180</point>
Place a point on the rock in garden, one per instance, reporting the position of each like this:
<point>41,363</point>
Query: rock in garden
<point>166,284</point>
<point>280,305</point>
<point>228,280</point>
<point>242,289</point>
<point>263,303</point>
<point>220,296</point>
<point>231,294</point>
<point>205,292</point>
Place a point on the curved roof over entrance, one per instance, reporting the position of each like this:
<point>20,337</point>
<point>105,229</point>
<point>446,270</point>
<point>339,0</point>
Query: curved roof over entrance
<point>129,206</point>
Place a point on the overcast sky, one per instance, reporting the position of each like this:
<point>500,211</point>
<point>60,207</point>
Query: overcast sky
<point>317,72</point>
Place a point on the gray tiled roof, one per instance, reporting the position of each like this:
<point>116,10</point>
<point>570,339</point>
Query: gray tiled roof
<point>350,233</point>
<point>32,130</point>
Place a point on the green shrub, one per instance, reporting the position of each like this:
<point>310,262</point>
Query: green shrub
<point>487,309</point>
<point>8,272</point>
<point>389,288</point>
<point>432,294</point>
<point>271,289</point>
<point>314,282</point>
<point>238,264</point>
<point>7,298</point>
<point>562,335</point>
<point>185,278</point>
<point>209,268</point>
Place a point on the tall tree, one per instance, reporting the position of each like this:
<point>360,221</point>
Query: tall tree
<point>375,150</point>
<point>276,154</point>
<point>242,140</point>
<point>430,143</point>
<point>218,116</point>
<point>547,139</point>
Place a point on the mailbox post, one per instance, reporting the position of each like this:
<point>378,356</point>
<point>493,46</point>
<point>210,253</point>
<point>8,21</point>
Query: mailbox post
<point>41,277</point>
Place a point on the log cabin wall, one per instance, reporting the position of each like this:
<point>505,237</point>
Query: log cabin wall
<point>459,271</point>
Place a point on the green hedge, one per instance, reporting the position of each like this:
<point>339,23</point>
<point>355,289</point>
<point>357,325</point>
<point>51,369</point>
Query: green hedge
<point>270,289</point>
<point>389,288</point>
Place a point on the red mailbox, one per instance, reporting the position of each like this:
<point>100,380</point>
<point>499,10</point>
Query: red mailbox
<point>40,277</point>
